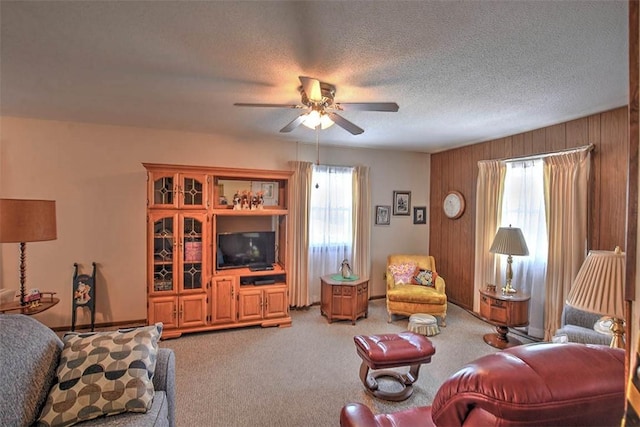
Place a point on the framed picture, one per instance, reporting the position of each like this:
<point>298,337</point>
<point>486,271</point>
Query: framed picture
<point>420,215</point>
<point>269,191</point>
<point>383,215</point>
<point>402,203</point>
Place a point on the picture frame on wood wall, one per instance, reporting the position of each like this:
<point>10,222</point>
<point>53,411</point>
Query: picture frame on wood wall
<point>383,215</point>
<point>420,215</point>
<point>402,203</point>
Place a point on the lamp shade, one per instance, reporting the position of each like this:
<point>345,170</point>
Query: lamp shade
<point>509,241</point>
<point>315,118</point>
<point>599,285</point>
<point>27,220</point>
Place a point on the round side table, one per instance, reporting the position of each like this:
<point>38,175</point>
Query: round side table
<point>424,324</point>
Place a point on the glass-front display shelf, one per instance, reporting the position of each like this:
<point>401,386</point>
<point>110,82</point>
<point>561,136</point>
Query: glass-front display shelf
<point>192,257</point>
<point>164,266</point>
<point>189,190</point>
<point>163,251</point>
<point>270,192</point>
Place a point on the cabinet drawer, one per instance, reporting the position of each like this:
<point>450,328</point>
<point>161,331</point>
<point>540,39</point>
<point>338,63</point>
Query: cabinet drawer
<point>485,307</point>
<point>498,314</point>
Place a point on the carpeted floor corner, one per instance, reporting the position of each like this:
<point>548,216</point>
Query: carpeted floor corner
<point>303,375</point>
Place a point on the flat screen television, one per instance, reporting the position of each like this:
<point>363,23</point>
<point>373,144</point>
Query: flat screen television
<point>246,249</point>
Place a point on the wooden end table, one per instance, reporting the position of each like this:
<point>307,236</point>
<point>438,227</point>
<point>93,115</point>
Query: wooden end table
<point>344,299</point>
<point>504,310</point>
<point>45,304</point>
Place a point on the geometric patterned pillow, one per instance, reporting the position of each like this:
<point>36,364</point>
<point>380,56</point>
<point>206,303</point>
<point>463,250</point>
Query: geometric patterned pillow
<point>103,373</point>
<point>403,273</point>
<point>425,278</point>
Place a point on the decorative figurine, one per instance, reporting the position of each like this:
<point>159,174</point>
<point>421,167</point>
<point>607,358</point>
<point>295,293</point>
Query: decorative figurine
<point>236,202</point>
<point>345,269</point>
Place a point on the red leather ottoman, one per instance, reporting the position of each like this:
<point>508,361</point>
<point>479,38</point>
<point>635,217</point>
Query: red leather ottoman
<point>391,351</point>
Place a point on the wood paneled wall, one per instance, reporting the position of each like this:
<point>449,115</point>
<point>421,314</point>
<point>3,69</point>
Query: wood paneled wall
<point>452,242</point>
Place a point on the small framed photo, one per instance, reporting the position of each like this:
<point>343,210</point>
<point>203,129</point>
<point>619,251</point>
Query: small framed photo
<point>420,215</point>
<point>383,215</point>
<point>402,203</point>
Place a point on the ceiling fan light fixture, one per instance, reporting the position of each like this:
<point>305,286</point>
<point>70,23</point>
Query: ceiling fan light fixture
<point>315,118</point>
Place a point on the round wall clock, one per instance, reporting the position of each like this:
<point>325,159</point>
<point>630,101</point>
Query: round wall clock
<point>453,204</point>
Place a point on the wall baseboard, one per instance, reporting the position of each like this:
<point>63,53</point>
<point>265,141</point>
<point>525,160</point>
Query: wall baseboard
<point>106,325</point>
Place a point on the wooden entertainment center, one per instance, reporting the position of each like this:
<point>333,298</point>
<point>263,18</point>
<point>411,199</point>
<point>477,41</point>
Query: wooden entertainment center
<point>188,207</point>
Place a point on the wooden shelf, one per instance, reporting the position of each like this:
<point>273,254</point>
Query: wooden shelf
<point>15,307</point>
<point>247,212</point>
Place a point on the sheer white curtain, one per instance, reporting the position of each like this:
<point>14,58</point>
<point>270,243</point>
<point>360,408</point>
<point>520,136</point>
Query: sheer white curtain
<point>523,207</point>
<point>330,223</point>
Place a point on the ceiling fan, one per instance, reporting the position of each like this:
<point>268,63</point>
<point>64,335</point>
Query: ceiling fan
<point>320,107</point>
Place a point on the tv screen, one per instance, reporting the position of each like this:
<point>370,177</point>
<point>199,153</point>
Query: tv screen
<point>246,249</point>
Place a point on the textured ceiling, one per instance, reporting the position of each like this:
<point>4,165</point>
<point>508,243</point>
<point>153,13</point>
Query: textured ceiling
<point>461,71</point>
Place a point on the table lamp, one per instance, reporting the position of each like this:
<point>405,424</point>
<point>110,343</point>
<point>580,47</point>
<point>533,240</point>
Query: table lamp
<point>509,241</point>
<point>599,287</point>
<point>23,221</point>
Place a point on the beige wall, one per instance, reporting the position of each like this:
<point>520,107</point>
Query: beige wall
<point>94,173</point>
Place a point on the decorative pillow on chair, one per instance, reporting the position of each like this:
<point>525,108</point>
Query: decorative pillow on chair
<point>425,278</point>
<point>403,273</point>
<point>103,373</point>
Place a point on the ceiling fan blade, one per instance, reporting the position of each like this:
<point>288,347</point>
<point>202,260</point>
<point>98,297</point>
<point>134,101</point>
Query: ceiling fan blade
<point>295,123</point>
<point>367,106</point>
<point>311,88</point>
<point>243,104</point>
<point>345,124</point>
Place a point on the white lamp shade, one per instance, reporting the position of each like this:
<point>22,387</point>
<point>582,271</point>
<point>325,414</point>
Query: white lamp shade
<point>509,241</point>
<point>314,118</point>
<point>599,285</point>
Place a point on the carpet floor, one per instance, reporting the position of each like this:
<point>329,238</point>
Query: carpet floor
<point>303,375</point>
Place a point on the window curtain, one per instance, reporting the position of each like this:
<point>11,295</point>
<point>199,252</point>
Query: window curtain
<point>330,224</point>
<point>566,178</point>
<point>298,248</point>
<point>523,207</point>
<point>361,261</point>
<point>491,176</point>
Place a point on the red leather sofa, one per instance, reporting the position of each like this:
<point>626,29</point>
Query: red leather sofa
<point>541,384</point>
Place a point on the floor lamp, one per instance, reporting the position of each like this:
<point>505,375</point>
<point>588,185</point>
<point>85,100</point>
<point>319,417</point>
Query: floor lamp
<point>599,288</point>
<point>23,221</point>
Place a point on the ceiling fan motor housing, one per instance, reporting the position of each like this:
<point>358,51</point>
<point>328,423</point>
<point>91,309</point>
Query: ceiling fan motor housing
<point>328,93</point>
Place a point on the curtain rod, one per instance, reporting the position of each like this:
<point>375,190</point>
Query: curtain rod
<point>589,147</point>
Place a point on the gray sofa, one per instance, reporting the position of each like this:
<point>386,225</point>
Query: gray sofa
<point>577,325</point>
<point>29,355</point>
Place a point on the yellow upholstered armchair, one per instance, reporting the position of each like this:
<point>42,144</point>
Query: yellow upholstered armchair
<point>405,296</point>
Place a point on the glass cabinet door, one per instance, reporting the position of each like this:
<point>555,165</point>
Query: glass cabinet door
<point>192,191</point>
<point>177,190</point>
<point>179,245</point>
<point>163,245</point>
<point>194,248</point>
<point>163,190</point>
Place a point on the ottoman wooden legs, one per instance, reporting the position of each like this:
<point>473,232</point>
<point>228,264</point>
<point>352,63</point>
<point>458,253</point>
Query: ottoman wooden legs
<point>391,351</point>
<point>406,380</point>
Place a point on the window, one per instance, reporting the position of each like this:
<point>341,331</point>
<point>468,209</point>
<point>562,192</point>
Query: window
<point>330,222</point>
<point>523,206</point>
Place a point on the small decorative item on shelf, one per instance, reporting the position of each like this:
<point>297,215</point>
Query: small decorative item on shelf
<point>260,200</point>
<point>345,269</point>
<point>246,198</point>
<point>33,298</point>
<point>491,288</point>
<point>237,201</point>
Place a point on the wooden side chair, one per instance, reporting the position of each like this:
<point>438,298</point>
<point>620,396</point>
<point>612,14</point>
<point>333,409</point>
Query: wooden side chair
<point>84,294</point>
